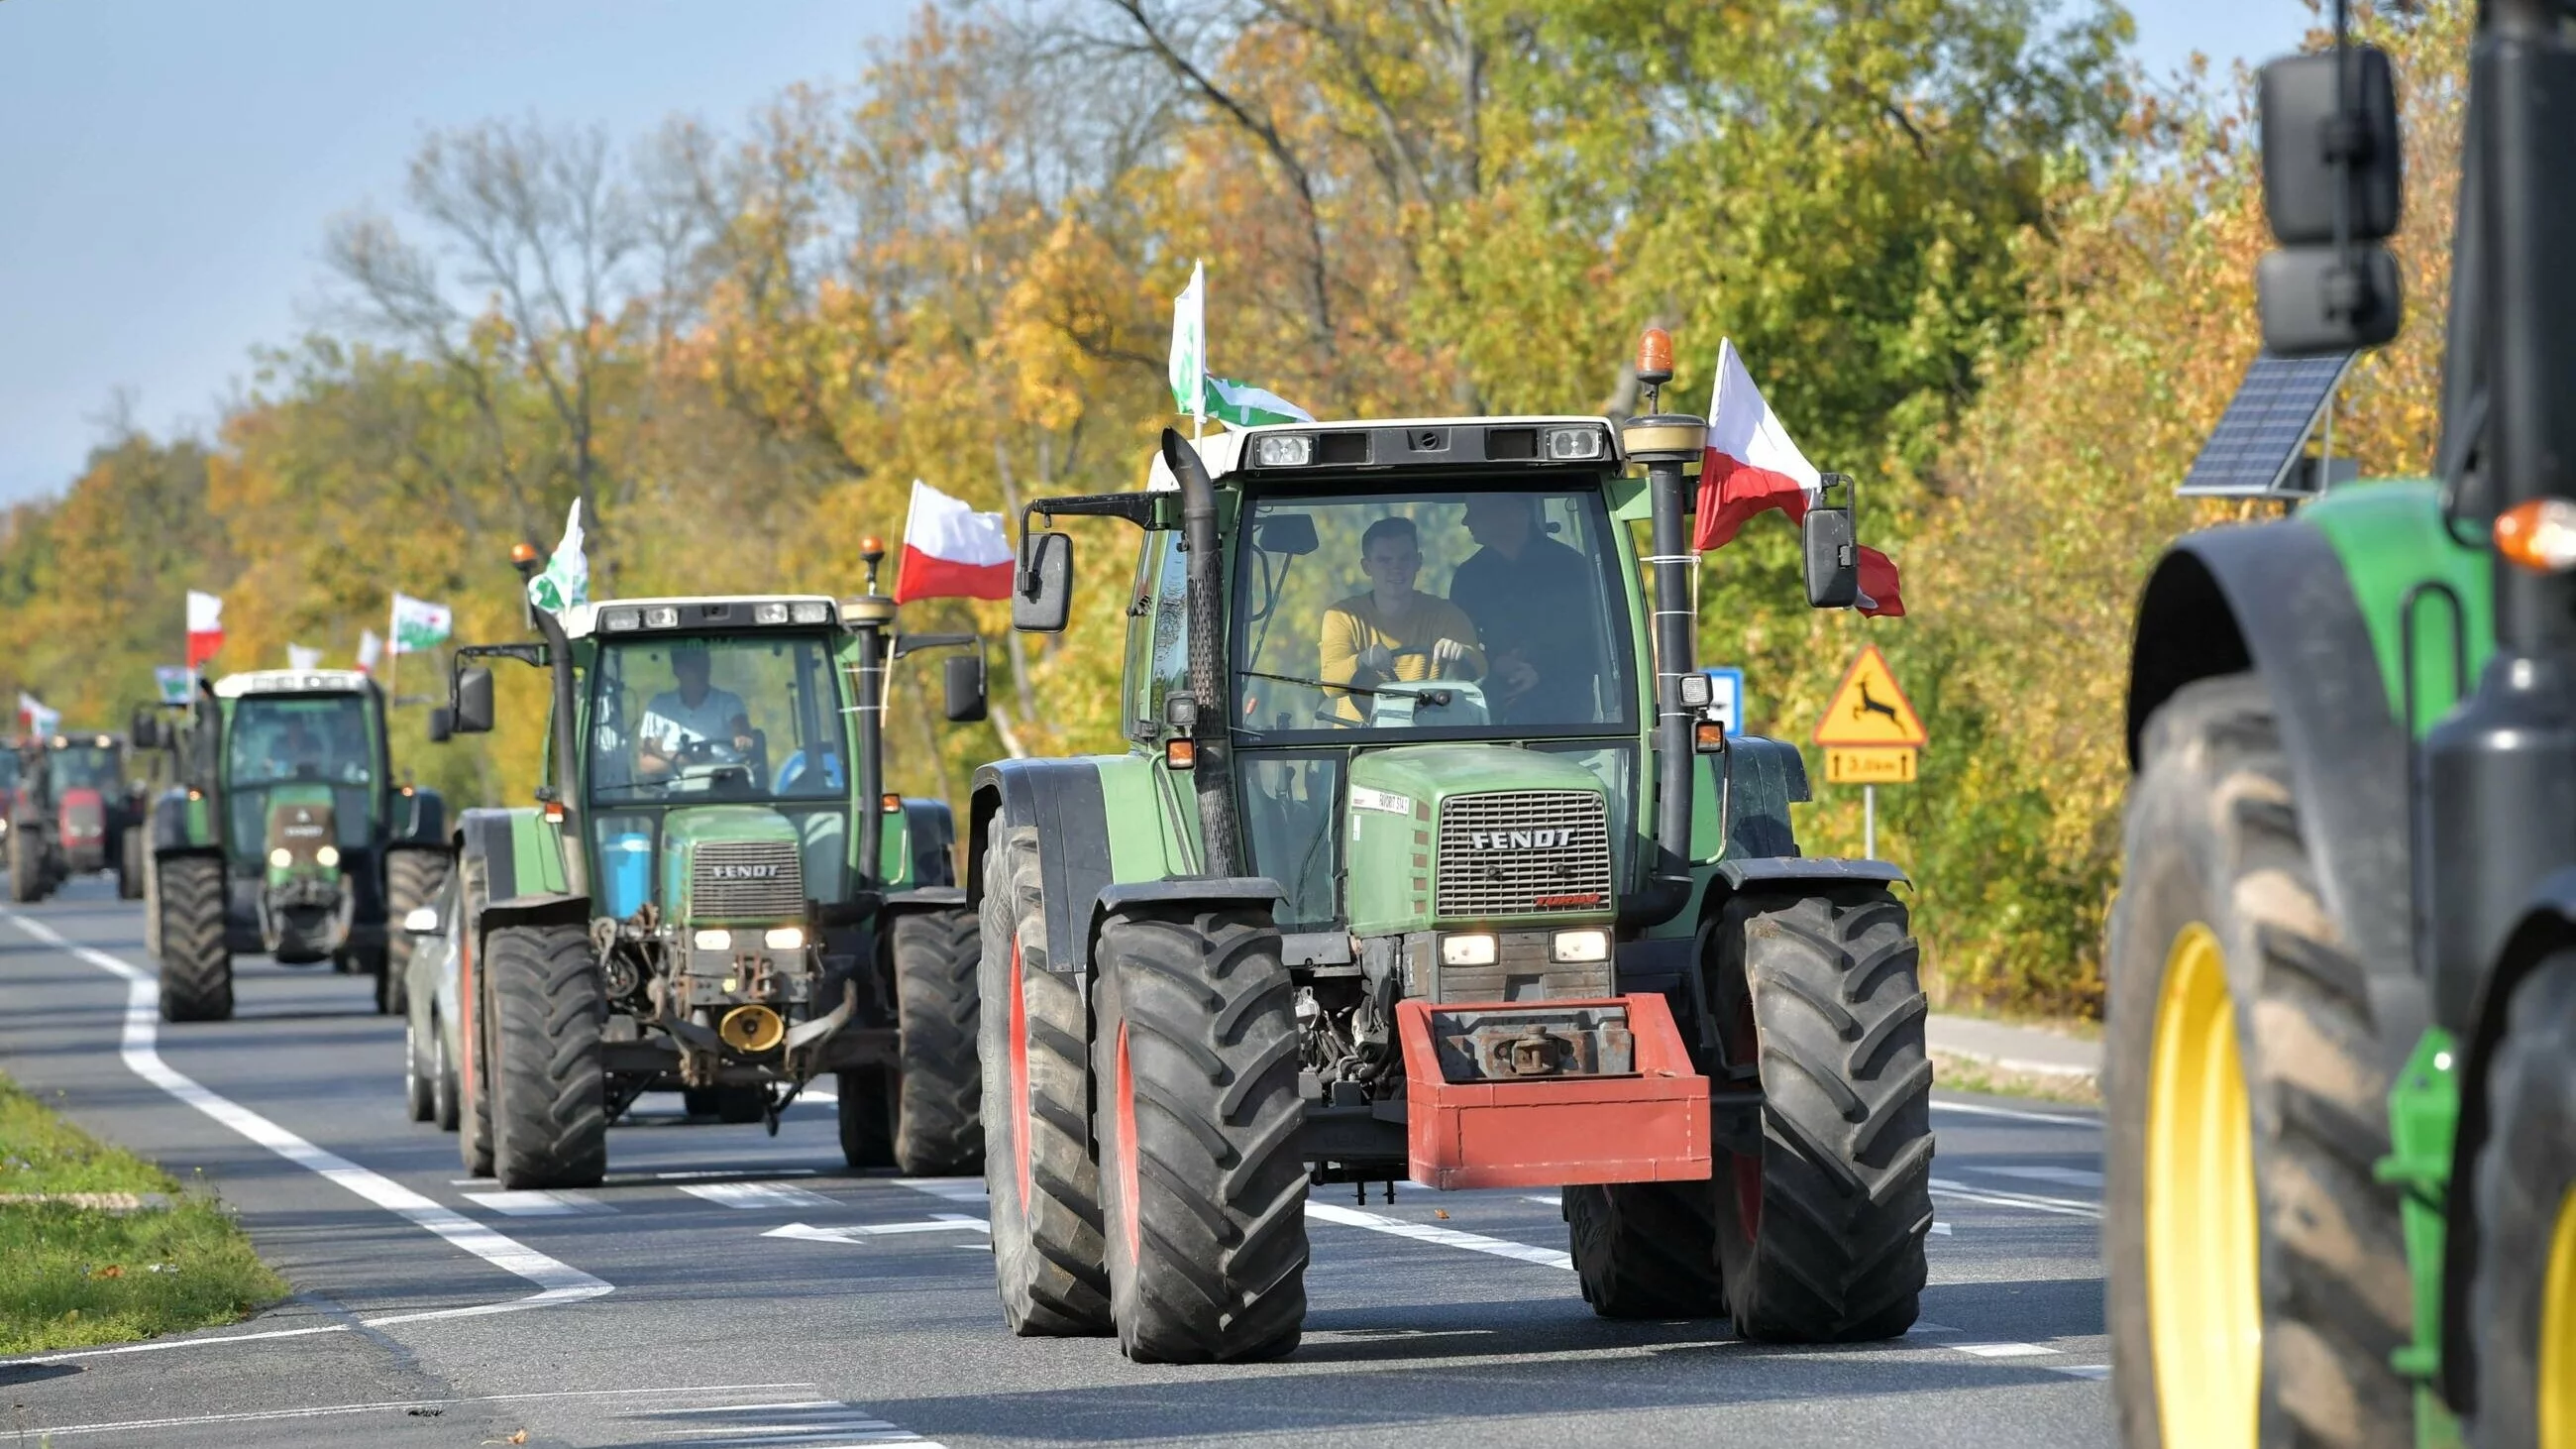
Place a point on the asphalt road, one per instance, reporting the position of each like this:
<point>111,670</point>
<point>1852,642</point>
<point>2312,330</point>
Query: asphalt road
<point>726,1287</point>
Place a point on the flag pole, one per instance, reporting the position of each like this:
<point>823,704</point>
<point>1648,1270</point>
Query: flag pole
<point>393,657</point>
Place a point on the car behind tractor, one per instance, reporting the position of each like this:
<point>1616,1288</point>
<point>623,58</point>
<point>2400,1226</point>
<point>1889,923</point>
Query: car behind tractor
<point>284,834</point>
<point>1470,891</point>
<point>2340,1197</point>
<point>714,893</point>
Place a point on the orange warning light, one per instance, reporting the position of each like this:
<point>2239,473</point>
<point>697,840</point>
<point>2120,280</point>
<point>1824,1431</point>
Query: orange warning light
<point>2539,535</point>
<point>1655,355</point>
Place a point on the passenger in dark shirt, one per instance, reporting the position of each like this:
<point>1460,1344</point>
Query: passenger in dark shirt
<point>1533,601</point>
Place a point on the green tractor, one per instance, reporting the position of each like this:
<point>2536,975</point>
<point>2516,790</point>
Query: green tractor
<point>2341,1057</point>
<point>714,894</point>
<point>284,833</point>
<point>1468,891</point>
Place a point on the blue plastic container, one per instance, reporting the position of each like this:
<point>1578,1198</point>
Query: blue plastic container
<point>627,861</point>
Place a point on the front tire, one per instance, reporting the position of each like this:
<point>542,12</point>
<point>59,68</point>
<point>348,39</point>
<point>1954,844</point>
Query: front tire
<point>2256,1276</point>
<point>129,864</point>
<point>1044,1188</point>
<point>447,1099</point>
<point>2522,1288</point>
<point>1203,1187</point>
<point>550,1100</point>
<point>866,1109</point>
<point>940,1132</point>
<point>26,870</point>
<point>196,969</point>
<point>1821,1237</point>
<point>1647,1249</point>
<point>420,1067</point>
<point>413,878</point>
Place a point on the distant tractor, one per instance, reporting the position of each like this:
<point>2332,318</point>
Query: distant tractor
<point>1463,884</point>
<point>2340,1196</point>
<point>714,894</point>
<point>71,815</point>
<point>284,834</point>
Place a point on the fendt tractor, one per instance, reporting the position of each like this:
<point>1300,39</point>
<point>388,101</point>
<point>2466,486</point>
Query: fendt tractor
<point>714,893</point>
<point>283,833</point>
<point>1431,861</point>
<point>2341,1058</point>
<point>71,813</point>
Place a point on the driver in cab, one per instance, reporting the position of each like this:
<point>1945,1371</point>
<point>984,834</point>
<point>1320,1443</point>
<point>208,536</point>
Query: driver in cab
<point>693,713</point>
<point>1393,633</point>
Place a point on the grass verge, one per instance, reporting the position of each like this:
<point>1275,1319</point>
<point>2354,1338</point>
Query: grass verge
<point>1974,1074</point>
<point>72,1276</point>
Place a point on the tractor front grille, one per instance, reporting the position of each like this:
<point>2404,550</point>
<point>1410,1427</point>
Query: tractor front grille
<point>1523,852</point>
<point>747,880</point>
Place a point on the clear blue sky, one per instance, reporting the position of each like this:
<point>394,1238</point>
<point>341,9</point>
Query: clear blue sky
<point>168,167</point>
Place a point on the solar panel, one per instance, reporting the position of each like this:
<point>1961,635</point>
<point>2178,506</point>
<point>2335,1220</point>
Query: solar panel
<point>2260,444</point>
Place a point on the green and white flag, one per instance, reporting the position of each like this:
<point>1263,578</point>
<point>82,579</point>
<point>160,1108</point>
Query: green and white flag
<point>566,580</point>
<point>420,625</point>
<point>174,681</point>
<point>1189,346</point>
<point>1241,405</point>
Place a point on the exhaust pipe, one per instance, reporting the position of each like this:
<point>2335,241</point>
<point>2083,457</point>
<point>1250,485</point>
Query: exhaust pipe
<point>1665,442</point>
<point>1208,682</point>
<point>752,1028</point>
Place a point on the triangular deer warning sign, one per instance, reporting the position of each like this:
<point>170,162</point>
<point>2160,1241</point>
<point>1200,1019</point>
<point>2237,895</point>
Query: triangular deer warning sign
<point>1868,708</point>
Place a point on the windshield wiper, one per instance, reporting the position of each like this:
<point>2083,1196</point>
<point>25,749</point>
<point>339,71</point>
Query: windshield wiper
<point>1433,694</point>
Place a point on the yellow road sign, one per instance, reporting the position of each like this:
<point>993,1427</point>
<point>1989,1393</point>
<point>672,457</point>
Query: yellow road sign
<point>1869,765</point>
<point>1869,710</point>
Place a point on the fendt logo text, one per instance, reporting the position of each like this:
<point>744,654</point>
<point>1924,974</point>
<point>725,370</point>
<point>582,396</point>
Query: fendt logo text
<point>1518,839</point>
<point>744,872</point>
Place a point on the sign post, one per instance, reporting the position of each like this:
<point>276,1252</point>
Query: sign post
<point>1870,735</point>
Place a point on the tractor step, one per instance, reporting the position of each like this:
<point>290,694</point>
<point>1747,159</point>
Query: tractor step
<point>1512,1094</point>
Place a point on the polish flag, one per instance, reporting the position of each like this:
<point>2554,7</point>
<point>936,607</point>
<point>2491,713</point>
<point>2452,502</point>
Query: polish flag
<point>950,551</point>
<point>205,627</point>
<point>1753,465</point>
<point>370,650</point>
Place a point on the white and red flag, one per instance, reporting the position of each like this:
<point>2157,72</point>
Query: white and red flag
<point>205,627</point>
<point>370,650</point>
<point>1753,465</point>
<point>950,551</point>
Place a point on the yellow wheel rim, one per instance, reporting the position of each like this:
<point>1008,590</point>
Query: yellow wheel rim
<point>2558,1333</point>
<point>2204,1275</point>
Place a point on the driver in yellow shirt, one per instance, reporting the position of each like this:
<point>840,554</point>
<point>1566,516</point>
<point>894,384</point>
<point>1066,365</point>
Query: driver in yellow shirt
<point>1392,632</point>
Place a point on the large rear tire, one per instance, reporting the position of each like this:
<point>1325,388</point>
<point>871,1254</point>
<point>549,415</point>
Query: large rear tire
<point>1821,1237</point>
<point>413,878</point>
<point>1049,1261</point>
<point>1203,1189</point>
<point>2522,1290</point>
<point>550,1087</point>
<point>1647,1249</point>
<point>940,1132</point>
<point>2256,1275</point>
<point>196,969</point>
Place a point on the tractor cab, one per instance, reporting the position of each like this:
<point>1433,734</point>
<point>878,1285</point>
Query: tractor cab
<point>91,806</point>
<point>303,782</point>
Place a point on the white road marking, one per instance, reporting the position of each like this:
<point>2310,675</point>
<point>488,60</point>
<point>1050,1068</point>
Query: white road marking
<point>757,1196</point>
<point>2085,1370</point>
<point>952,1189</point>
<point>159,1345</point>
<point>556,1282</point>
<point>1998,1350</point>
<point>532,1203</point>
<point>332,1410</point>
<point>1555,1200</point>
<point>1941,1230</point>
<point>2029,1202</point>
<point>811,1424</point>
<point>1979,1109</point>
<point>2062,1176</point>
<point>855,1233</point>
<point>1445,1237</point>
<point>731,1174</point>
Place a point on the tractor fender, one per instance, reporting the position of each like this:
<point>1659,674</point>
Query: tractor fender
<point>1821,870</point>
<point>2547,926</point>
<point>1063,800</point>
<point>487,839</point>
<point>2275,598</point>
<point>170,831</point>
<point>418,820</point>
<point>926,898</point>
<point>930,835</point>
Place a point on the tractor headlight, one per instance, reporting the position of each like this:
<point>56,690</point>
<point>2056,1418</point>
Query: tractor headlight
<point>1467,950</point>
<point>769,613</point>
<point>784,938</point>
<point>281,858</point>
<point>1582,946</point>
<point>1284,450</point>
<point>812,612</point>
<point>1575,445</point>
<point>712,940</point>
<point>327,857</point>
<point>662,617</point>
<point>619,621</point>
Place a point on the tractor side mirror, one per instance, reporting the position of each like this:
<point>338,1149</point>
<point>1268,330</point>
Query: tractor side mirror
<point>963,674</point>
<point>2330,147</point>
<point>145,732</point>
<point>1832,556</point>
<point>473,711</point>
<point>442,725</point>
<point>1043,598</point>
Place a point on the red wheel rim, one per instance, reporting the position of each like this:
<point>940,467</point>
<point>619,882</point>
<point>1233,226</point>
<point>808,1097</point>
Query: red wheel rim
<point>1127,1214</point>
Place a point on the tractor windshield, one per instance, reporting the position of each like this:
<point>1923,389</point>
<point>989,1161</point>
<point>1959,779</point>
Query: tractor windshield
<point>296,743</point>
<point>1467,614</point>
<point>85,767</point>
<point>8,769</point>
<point>751,717</point>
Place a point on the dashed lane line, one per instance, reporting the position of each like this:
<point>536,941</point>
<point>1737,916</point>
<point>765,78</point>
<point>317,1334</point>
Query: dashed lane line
<point>2015,1114</point>
<point>534,1203</point>
<point>2062,1176</point>
<point>556,1282</point>
<point>1445,1237</point>
<point>757,1196</point>
<point>2028,1202</point>
<point>325,1411</point>
<point>859,1233</point>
